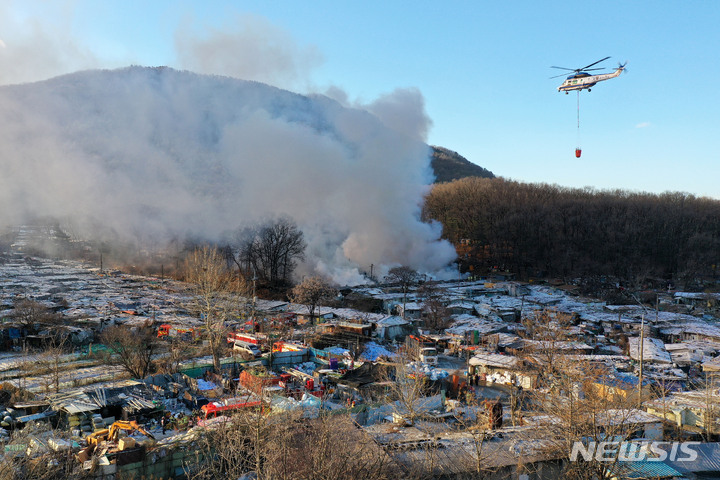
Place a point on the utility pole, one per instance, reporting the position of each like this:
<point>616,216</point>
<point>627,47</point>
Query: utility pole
<point>253,300</point>
<point>642,347</point>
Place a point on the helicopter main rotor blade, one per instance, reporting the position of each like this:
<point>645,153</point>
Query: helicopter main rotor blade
<point>577,71</point>
<point>586,67</point>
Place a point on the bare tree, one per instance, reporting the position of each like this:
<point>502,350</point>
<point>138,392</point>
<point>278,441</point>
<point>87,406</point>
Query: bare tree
<point>710,415</point>
<point>286,446</point>
<point>133,347</point>
<point>39,465</point>
<point>406,277</point>
<point>28,313</point>
<point>177,350</point>
<point>407,388</point>
<point>329,447</point>
<point>232,448</point>
<point>205,270</point>
<point>269,250</point>
<point>311,292</point>
<point>436,315</point>
<point>546,331</point>
<point>579,406</point>
<point>51,360</point>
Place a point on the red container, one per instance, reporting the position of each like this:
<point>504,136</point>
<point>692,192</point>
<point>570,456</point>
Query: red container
<point>578,152</point>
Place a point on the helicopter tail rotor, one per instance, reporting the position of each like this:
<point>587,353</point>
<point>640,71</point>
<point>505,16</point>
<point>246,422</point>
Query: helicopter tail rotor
<point>622,66</point>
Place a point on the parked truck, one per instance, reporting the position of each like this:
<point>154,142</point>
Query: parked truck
<point>173,331</point>
<point>421,348</point>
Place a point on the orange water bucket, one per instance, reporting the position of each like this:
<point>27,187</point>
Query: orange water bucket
<point>578,152</point>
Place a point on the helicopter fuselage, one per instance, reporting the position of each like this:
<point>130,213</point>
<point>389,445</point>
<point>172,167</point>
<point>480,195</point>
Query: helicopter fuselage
<point>583,80</point>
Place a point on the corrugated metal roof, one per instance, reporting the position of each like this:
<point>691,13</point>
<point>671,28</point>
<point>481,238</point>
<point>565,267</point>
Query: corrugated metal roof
<point>73,402</point>
<point>77,407</point>
<point>645,469</point>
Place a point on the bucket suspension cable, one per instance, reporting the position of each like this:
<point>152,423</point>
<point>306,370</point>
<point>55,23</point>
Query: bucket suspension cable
<point>578,150</point>
<point>578,111</point>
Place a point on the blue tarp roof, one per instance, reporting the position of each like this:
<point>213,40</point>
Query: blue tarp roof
<point>622,380</point>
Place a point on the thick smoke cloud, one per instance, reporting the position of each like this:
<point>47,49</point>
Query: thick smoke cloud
<point>153,154</point>
<point>250,48</point>
<point>36,43</point>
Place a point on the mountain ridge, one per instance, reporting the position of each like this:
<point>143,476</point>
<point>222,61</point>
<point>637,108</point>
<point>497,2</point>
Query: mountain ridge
<point>449,165</point>
<point>446,164</point>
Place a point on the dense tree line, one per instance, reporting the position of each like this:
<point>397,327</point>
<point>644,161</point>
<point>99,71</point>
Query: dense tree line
<point>548,230</point>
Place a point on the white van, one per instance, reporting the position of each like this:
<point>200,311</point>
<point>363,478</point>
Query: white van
<point>248,348</point>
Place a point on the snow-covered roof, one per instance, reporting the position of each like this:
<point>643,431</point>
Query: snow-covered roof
<point>495,360</point>
<point>412,306</point>
<point>698,399</point>
<point>693,327</point>
<point>269,305</point>
<point>556,345</point>
<point>463,305</point>
<point>712,365</point>
<point>391,321</point>
<point>653,350</point>
<point>705,347</point>
<point>697,295</point>
<point>467,323</point>
<point>625,417</point>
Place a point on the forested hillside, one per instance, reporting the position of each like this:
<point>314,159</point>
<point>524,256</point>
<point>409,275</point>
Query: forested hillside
<point>448,165</point>
<point>547,230</point>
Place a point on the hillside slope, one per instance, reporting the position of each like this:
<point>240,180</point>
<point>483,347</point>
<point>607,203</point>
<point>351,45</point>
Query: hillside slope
<point>448,166</point>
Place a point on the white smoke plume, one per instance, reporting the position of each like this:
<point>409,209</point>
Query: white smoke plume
<point>36,43</point>
<point>153,154</point>
<point>247,47</point>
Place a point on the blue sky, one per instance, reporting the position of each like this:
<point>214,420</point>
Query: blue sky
<point>483,69</point>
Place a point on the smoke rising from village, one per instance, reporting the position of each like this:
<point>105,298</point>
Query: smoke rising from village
<point>153,154</point>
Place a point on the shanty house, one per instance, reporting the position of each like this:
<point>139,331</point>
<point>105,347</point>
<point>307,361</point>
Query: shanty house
<point>502,369</point>
<point>392,328</point>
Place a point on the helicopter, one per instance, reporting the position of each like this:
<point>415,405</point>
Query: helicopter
<point>581,80</point>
